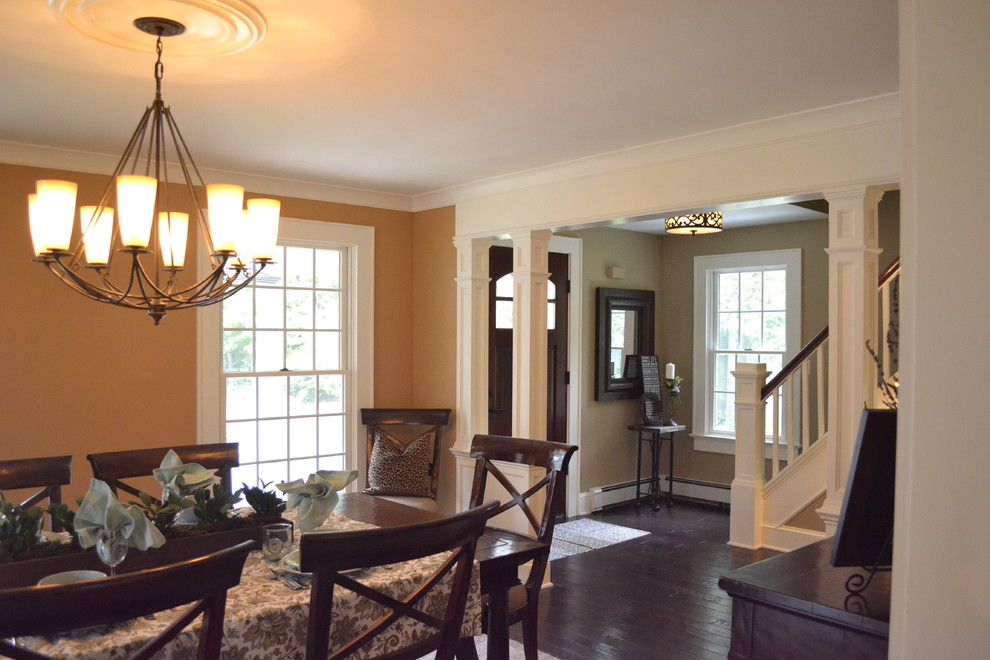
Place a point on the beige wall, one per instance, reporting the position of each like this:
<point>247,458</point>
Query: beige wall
<point>82,377</point>
<point>666,265</point>
<point>608,450</point>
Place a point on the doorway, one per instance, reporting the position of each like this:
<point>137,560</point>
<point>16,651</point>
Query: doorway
<point>500,343</point>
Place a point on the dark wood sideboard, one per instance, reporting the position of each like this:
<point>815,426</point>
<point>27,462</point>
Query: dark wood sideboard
<point>795,605</point>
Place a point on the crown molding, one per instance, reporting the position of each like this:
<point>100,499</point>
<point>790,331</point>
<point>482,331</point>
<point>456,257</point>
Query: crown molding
<point>842,117</point>
<point>830,119</point>
<point>18,153</point>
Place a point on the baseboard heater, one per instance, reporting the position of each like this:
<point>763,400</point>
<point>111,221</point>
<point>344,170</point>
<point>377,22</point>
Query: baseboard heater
<point>605,496</point>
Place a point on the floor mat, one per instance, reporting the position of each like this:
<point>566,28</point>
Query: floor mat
<point>584,534</point>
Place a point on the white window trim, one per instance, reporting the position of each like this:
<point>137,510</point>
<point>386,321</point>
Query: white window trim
<point>704,439</point>
<point>360,242</point>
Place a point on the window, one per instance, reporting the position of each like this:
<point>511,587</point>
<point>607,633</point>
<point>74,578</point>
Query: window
<point>747,309</point>
<point>504,303</point>
<point>287,360</point>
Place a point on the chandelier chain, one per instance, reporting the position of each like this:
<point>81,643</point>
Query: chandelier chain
<point>159,67</point>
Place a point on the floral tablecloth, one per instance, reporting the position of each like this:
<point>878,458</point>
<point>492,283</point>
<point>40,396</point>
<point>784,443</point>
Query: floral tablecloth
<point>266,619</point>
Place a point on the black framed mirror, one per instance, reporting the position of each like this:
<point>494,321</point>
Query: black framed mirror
<point>624,325</point>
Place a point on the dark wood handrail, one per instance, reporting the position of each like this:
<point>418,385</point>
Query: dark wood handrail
<point>795,362</point>
<point>819,339</point>
<point>892,270</point>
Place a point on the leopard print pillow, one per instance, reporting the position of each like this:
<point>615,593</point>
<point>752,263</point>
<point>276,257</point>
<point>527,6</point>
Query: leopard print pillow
<point>393,470</point>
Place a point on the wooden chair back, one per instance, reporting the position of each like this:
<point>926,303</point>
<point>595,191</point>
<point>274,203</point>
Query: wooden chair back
<point>49,474</point>
<point>113,466</point>
<point>383,418</point>
<point>202,582</point>
<point>554,457</point>
<point>326,554</point>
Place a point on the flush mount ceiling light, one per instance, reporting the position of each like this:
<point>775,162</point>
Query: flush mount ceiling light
<point>695,223</point>
<point>148,273</point>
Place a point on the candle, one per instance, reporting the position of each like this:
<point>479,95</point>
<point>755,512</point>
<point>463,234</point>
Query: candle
<point>669,371</point>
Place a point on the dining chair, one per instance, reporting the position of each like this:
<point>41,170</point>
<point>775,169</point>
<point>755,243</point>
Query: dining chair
<point>328,554</point>
<point>49,473</point>
<point>403,451</point>
<point>522,601</point>
<point>202,582</point>
<point>113,466</point>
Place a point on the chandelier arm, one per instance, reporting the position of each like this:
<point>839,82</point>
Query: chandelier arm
<point>205,288</point>
<point>186,162</point>
<point>136,137</point>
<point>162,201</point>
<point>212,295</point>
<point>83,286</point>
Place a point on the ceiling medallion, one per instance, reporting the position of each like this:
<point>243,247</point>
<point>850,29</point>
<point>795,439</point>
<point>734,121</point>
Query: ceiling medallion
<point>214,27</point>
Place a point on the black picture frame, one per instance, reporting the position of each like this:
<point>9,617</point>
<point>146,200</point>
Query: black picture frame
<point>607,301</point>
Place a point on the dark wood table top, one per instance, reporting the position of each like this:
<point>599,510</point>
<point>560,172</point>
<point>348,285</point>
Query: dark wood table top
<point>498,553</point>
<point>804,581</point>
<point>657,428</point>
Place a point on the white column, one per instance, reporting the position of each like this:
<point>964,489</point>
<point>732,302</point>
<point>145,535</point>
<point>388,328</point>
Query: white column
<point>852,320</point>
<point>746,498</point>
<point>471,414</point>
<point>530,273</point>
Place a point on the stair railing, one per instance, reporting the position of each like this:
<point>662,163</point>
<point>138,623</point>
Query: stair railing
<point>794,405</point>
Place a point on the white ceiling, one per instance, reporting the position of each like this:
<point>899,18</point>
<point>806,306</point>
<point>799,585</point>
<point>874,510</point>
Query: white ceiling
<point>413,97</point>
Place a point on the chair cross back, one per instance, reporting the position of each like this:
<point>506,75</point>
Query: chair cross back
<point>202,582</point>
<point>49,474</point>
<point>522,601</point>
<point>113,466</point>
<point>382,418</point>
<point>326,554</point>
<point>554,457</point>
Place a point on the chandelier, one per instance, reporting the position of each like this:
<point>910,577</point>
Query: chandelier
<point>125,263</point>
<point>696,223</point>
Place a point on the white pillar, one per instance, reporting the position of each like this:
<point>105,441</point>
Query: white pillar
<point>471,414</point>
<point>852,320</point>
<point>530,273</point>
<point>746,498</point>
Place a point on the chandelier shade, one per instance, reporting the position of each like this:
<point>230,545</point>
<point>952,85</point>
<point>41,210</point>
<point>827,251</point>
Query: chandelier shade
<point>119,257</point>
<point>695,223</point>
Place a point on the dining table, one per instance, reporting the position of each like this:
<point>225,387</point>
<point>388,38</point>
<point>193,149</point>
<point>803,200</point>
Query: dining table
<point>267,618</point>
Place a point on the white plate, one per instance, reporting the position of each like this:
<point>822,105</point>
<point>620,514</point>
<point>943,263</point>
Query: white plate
<point>71,576</point>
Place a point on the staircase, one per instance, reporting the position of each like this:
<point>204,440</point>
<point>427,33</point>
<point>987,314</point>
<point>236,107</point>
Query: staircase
<point>782,439</point>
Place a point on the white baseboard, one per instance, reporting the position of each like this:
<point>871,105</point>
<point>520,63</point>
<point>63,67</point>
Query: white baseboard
<point>598,498</point>
<point>785,539</point>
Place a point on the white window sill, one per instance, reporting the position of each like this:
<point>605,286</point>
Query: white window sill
<point>726,444</point>
<point>715,444</point>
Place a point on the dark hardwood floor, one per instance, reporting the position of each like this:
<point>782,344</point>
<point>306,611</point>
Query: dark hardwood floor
<point>653,597</point>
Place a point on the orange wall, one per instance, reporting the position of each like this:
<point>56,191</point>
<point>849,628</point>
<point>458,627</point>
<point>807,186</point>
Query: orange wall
<point>435,330</point>
<point>82,377</point>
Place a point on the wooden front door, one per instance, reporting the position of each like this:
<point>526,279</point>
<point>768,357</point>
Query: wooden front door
<point>500,344</point>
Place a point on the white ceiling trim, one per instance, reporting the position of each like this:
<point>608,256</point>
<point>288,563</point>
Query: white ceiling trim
<point>17,153</point>
<point>884,109</point>
<point>831,119</point>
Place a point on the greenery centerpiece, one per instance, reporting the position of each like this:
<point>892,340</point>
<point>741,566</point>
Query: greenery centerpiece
<point>673,387</point>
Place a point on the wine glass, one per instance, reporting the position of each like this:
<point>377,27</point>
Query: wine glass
<point>111,549</point>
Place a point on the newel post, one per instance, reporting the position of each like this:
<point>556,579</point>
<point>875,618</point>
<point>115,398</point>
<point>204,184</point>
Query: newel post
<point>746,499</point>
